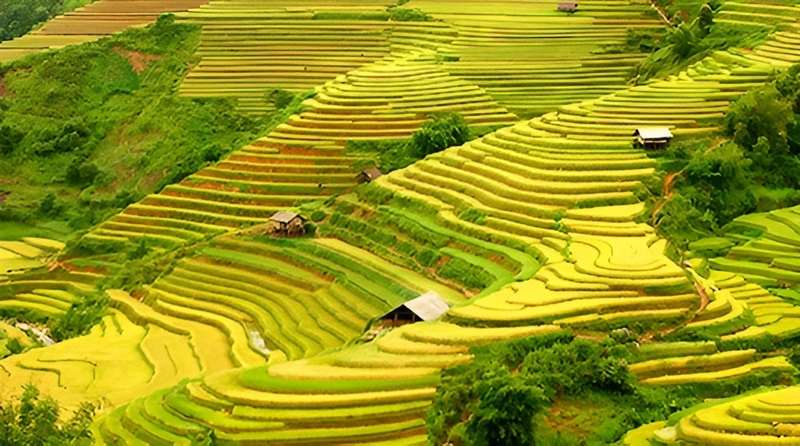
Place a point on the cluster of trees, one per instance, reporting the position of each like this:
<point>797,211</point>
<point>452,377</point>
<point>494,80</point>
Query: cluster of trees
<point>440,131</point>
<point>757,169</point>
<point>560,389</point>
<point>17,17</point>
<point>34,421</point>
<point>495,399</point>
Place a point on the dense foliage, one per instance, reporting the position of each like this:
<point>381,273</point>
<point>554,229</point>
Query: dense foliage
<point>494,399</point>
<point>34,421</point>
<point>92,128</point>
<point>558,389</point>
<point>440,131</point>
<point>20,16</point>
<point>758,169</point>
<point>80,317</point>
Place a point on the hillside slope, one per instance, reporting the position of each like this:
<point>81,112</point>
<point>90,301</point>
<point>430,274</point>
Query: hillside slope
<point>531,230</point>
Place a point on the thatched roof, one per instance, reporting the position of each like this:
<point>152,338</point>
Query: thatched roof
<point>649,133</point>
<point>372,173</point>
<point>428,306</point>
<point>285,217</point>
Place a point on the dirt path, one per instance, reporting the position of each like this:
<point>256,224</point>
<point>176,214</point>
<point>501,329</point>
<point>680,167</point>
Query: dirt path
<point>661,13</point>
<point>668,180</point>
<point>704,300</point>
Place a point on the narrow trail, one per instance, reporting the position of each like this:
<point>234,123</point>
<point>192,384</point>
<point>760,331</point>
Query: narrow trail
<point>704,300</point>
<point>668,180</point>
<point>661,13</point>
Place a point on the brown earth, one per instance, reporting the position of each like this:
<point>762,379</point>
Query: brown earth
<point>138,60</point>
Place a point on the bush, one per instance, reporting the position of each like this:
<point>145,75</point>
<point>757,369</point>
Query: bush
<point>80,317</point>
<point>687,43</point>
<point>280,98</point>
<point>441,131</point>
<point>34,421</point>
<point>467,274</point>
<point>719,180</point>
<point>408,15</point>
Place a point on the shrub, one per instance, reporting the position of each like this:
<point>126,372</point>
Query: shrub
<point>80,317</point>
<point>34,421</point>
<point>280,98</point>
<point>441,131</point>
<point>408,15</point>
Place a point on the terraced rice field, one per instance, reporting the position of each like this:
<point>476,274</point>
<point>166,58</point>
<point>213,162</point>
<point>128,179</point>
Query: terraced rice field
<point>98,19</point>
<point>249,47</point>
<point>767,248</point>
<point>301,299</point>
<point>304,159</point>
<point>543,213</point>
<point>239,304</point>
<point>29,286</point>
<point>131,352</point>
<point>566,197</point>
<point>360,400</point>
<point>28,253</point>
<point>532,58</point>
<point>763,417</point>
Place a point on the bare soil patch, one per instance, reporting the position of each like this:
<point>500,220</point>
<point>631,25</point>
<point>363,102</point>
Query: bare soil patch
<point>140,61</point>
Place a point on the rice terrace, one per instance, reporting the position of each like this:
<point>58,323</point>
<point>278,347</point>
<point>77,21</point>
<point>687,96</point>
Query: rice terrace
<point>400,222</point>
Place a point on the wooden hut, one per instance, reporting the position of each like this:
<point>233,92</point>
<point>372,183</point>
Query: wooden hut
<point>287,224</point>
<point>567,7</point>
<point>368,175</point>
<point>652,138</point>
<point>426,307</point>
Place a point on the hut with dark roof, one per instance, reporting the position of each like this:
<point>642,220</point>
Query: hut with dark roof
<point>567,7</point>
<point>652,138</point>
<point>366,176</point>
<point>426,307</point>
<point>287,224</point>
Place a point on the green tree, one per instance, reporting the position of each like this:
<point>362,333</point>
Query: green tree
<point>685,40</point>
<point>505,412</point>
<point>441,131</point>
<point>719,180</point>
<point>762,112</point>
<point>494,400</point>
<point>33,421</point>
<point>763,123</point>
<point>680,222</point>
